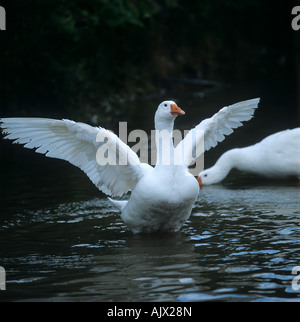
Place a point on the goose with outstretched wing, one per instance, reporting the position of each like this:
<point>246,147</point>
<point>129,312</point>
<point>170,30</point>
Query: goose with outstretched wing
<point>161,197</point>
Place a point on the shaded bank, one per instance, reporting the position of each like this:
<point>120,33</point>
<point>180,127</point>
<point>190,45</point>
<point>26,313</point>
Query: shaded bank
<point>62,58</point>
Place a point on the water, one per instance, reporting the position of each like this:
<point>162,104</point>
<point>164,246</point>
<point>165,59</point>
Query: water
<point>61,240</point>
<point>240,243</point>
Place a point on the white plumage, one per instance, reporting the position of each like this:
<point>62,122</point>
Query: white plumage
<point>215,128</point>
<point>277,156</point>
<point>161,197</point>
<point>76,143</point>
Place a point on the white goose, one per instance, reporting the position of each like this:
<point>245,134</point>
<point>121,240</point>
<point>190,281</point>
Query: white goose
<point>161,197</point>
<point>277,156</point>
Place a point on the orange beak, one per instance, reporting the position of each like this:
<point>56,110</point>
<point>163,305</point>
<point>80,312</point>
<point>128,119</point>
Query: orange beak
<point>200,182</point>
<point>176,110</point>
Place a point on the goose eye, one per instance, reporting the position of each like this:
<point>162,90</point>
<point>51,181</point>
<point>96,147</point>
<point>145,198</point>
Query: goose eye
<point>205,175</point>
<point>165,105</point>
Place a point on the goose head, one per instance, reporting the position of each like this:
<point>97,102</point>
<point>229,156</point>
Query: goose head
<point>165,115</point>
<point>214,174</point>
<point>230,159</point>
<point>206,177</point>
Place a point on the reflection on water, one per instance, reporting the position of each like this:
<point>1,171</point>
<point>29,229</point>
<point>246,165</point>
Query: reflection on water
<point>61,240</point>
<point>239,244</point>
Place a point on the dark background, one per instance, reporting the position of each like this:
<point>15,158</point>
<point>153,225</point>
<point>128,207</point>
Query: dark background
<point>79,59</point>
<point>105,61</point>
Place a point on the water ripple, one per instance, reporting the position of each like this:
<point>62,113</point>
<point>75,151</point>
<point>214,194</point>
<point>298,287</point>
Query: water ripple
<point>238,245</point>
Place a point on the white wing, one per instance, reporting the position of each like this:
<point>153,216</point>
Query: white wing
<point>214,129</point>
<point>77,143</point>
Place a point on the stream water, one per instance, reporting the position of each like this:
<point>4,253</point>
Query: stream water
<point>62,240</point>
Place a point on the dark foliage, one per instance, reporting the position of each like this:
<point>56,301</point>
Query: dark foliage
<point>59,55</point>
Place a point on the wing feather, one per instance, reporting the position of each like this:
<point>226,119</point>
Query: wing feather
<point>214,129</point>
<point>77,143</point>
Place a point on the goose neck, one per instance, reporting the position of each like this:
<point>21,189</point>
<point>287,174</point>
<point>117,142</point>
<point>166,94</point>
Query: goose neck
<point>225,163</point>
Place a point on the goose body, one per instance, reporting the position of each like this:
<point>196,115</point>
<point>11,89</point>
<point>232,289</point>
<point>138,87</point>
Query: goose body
<point>161,197</point>
<point>277,156</point>
<point>165,207</point>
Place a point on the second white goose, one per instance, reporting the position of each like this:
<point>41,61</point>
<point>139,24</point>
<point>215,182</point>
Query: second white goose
<point>277,156</point>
